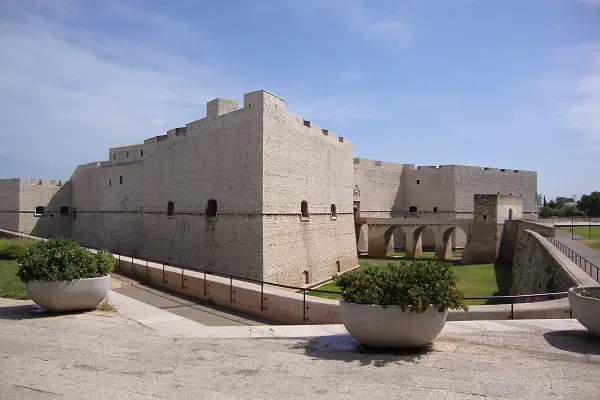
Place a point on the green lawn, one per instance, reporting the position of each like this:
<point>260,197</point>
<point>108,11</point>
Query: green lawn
<point>476,280</point>
<point>592,240</point>
<point>10,285</point>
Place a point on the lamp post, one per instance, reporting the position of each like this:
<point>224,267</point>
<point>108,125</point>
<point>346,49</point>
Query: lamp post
<point>572,227</point>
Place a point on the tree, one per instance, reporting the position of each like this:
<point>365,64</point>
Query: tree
<point>545,201</point>
<point>590,204</point>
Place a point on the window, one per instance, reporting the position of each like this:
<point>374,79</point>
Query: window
<point>412,209</point>
<point>141,153</point>
<point>338,267</point>
<point>510,213</point>
<point>109,182</point>
<point>39,211</point>
<point>120,179</point>
<point>306,279</point>
<point>304,209</point>
<point>114,156</point>
<point>170,209</point>
<point>434,209</point>
<point>333,211</point>
<point>74,215</point>
<point>418,181</point>
<point>64,210</point>
<point>484,216</point>
<point>211,209</point>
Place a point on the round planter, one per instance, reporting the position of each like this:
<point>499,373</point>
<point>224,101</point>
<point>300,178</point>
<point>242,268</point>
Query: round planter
<point>586,310</point>
<point>81,294</point>
<point>376,326</point>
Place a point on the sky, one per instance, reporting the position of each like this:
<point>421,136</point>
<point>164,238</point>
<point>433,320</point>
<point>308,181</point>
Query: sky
<point>505,83</point>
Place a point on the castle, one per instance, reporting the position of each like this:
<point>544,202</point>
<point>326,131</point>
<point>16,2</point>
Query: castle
<point>253,191</point>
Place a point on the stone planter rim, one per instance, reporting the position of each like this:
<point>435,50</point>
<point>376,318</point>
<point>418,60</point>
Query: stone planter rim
<point>72,280</point>
<point>408,308</point>
<point>572,290</point>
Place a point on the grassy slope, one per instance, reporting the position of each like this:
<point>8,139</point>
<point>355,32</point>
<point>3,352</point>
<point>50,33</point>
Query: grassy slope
<point>584,231</point>
<point>475,280</point>
<point>10,285</point>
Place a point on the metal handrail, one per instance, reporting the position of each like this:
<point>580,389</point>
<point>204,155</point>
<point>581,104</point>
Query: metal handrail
<point>576,258</point>
<point>262,283</point>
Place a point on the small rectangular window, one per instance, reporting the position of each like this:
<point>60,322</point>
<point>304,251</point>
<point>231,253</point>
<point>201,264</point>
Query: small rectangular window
<point>418,181</point>
<point>484,216</point>
<point>110,182</point>
<point>120,179</point>
<point>64,210</point>
<point>127,154</point>
<point>74,215</point>
<point>114,156</point>
<point>434,209</point>
<point>39,211</point>
<point>141,153</point>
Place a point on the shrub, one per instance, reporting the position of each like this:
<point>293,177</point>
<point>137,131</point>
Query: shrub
<point>61,259</point>
<point>12,249</point>
<point>412,285</point>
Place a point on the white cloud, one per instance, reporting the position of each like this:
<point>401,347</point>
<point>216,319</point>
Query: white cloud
<point>387,30</point>
<point>582,111</point>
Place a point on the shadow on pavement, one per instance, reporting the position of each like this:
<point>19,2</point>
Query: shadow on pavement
<point>345,348</point>
<point>575,341</point>
<point>30,311</point>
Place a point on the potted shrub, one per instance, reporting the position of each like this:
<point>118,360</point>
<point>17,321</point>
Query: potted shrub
<point>405,306</point>
<point>585,305</point>
<point>62,276</point>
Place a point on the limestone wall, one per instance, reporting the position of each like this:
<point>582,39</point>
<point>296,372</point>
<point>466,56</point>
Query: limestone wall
<point>514,228</point>
<point>9,204</point>
<point>55,196</point>
<point>539,267</point>
<point>304,162</point>
<point>378,187</point>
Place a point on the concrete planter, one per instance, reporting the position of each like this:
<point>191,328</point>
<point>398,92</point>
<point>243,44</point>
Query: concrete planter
<point>586,310</point>
<point>376,326</point>
<point>81,294</point>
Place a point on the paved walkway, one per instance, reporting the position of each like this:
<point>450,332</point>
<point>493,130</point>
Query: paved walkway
<point>188,307</point>
<point>591,255</point>
<point>131,355</point>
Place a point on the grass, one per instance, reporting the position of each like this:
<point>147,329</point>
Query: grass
<point>106,306</point>
<point>475,280</point>
<point>10,285</point>
<point>592,240</point>
<point>12,248</point>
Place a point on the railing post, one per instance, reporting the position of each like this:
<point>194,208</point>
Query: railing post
<point>303,305</point>
<point>512,310</point>
<point>119,262</point>
<point>163,273</point>
<point>230,289</point>
<point>182,278</point>
<point>147,270</point>
<point>262,296</point>
<point>132,267</point>
<point>204,283</point>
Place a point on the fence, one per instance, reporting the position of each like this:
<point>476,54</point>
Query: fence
<point>591,269</point>
<point>234,282</point>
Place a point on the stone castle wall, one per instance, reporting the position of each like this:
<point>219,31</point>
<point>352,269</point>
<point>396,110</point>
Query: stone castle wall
<point>9,203</point>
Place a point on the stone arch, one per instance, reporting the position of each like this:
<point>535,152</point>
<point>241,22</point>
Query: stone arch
<point>414,247</point>
<point>444,247</point>
<point>399,240</point>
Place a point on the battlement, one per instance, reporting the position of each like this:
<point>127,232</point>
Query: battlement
<point>367,162</point>
<point>42,182</point>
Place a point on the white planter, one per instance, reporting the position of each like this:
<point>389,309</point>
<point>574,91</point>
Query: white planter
<point>376,326</point>
<point>586,310</point>
<point>81,294</point>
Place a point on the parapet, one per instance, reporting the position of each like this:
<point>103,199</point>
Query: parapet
<point>220,106</point>
<point>42,182</point>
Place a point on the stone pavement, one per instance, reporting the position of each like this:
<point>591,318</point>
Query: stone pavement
<point>591,255</point>
<point>100,355</point>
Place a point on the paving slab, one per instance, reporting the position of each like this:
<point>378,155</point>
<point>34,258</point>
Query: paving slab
<point>113,356</point>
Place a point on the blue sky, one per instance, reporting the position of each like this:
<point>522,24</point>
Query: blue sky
<point>506,83</point>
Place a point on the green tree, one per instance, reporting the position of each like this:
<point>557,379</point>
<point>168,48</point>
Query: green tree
<point>590,204</point>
